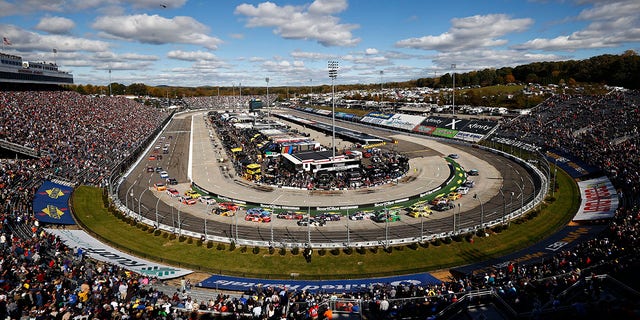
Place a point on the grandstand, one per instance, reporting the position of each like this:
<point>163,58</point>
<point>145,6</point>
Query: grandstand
<point>76,138</point>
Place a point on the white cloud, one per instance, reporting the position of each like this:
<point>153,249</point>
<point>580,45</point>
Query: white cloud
<point>480,59</point>
<point>191,55</point>
<point>612,24</point>
<point>26,41</point>
<point>56,25</point>
<point>156,30</point>
<point>370,51</point>
<point>470,33</point>
<point>311,55</point>
<point>294,22</point>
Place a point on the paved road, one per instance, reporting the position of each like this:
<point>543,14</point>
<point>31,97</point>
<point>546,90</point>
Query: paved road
<point>426,157</point>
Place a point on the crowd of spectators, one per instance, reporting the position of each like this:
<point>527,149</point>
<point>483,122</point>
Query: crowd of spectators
<point>232,102</point>
<point>42,278</point>
<point>79,137</point>
<point>603,131</point>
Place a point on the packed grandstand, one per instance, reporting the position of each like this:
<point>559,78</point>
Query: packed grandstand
<point>78,139</point>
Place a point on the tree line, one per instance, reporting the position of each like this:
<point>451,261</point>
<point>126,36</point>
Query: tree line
<point>615,70</point>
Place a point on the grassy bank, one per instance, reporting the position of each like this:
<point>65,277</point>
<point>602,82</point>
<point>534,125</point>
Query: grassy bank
<point>112,228</point>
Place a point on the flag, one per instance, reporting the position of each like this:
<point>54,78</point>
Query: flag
<point>6,41</point>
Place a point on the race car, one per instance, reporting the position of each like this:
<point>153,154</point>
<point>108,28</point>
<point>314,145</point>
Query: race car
<point>229,206</point>
<point>192,193</point>
<point>207,200</point>
<point>444,206</point>
<point>290,215</point>
<point>329,216</point>
<point>421,210</point>
<point>159,186</point>
<point>173,192</point>
<point>362,215</point>
<point>188,200</point>
<point>257,217</point>
<point>311,222</point>
<point>454,196</point>
<point>224,212</point>
<point>386,216</point>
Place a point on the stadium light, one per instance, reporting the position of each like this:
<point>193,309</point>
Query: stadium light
<point>333,74</point>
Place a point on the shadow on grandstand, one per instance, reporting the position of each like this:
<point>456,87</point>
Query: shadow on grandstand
<point>597,297</point>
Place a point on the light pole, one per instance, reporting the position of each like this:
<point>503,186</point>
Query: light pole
<point>333,73</point>
<point>179,221</point>
<point>157,220</point>
<point>386,226</point>
<point>140,203</point>
<point>130,193</point>
<point>267,80</point>
<point>309,226</point>
<point>504,205</point>
<point>109,82</point>
<point>475,196</point>
<point>348,232</point>
<point>381,73</point>
<point>453,99</point>
<point>311,91</point>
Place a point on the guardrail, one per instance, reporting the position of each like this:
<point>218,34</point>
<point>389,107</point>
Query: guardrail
<point>539,194</point>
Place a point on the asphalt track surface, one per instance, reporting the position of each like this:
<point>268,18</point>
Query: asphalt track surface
<point>427,171</point>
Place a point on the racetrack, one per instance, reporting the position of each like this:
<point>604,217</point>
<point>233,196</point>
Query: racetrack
<point>426,156</point>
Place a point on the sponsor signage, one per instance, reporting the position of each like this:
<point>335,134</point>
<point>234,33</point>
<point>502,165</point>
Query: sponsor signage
<point>469,136</point>
<point>99,251</point>
<point>338,286</point>
<point>479,127</point>
<point>404,121</point>
<point>51,203</point>
<point>424,129</point>
<point>447,133</point>
<point>572,165</point>
<point>599,199</point>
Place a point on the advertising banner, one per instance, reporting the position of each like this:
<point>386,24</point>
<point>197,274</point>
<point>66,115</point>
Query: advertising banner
<point>51,203</point>
<point>403,121</point>
<point>219,282</point>
<point>599,199</point>
<point>99,251</point>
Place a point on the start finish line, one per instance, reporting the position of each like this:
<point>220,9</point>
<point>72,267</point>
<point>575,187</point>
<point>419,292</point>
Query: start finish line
<point>337,286</point>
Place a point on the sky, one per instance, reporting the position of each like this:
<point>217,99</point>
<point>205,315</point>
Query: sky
<point>242,43</point>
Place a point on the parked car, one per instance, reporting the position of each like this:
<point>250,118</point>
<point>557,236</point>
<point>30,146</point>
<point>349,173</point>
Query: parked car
<point>473,172</point>
<point>312,222</point>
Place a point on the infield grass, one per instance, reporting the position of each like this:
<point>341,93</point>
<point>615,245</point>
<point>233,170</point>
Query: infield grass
<point>94,217</point>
